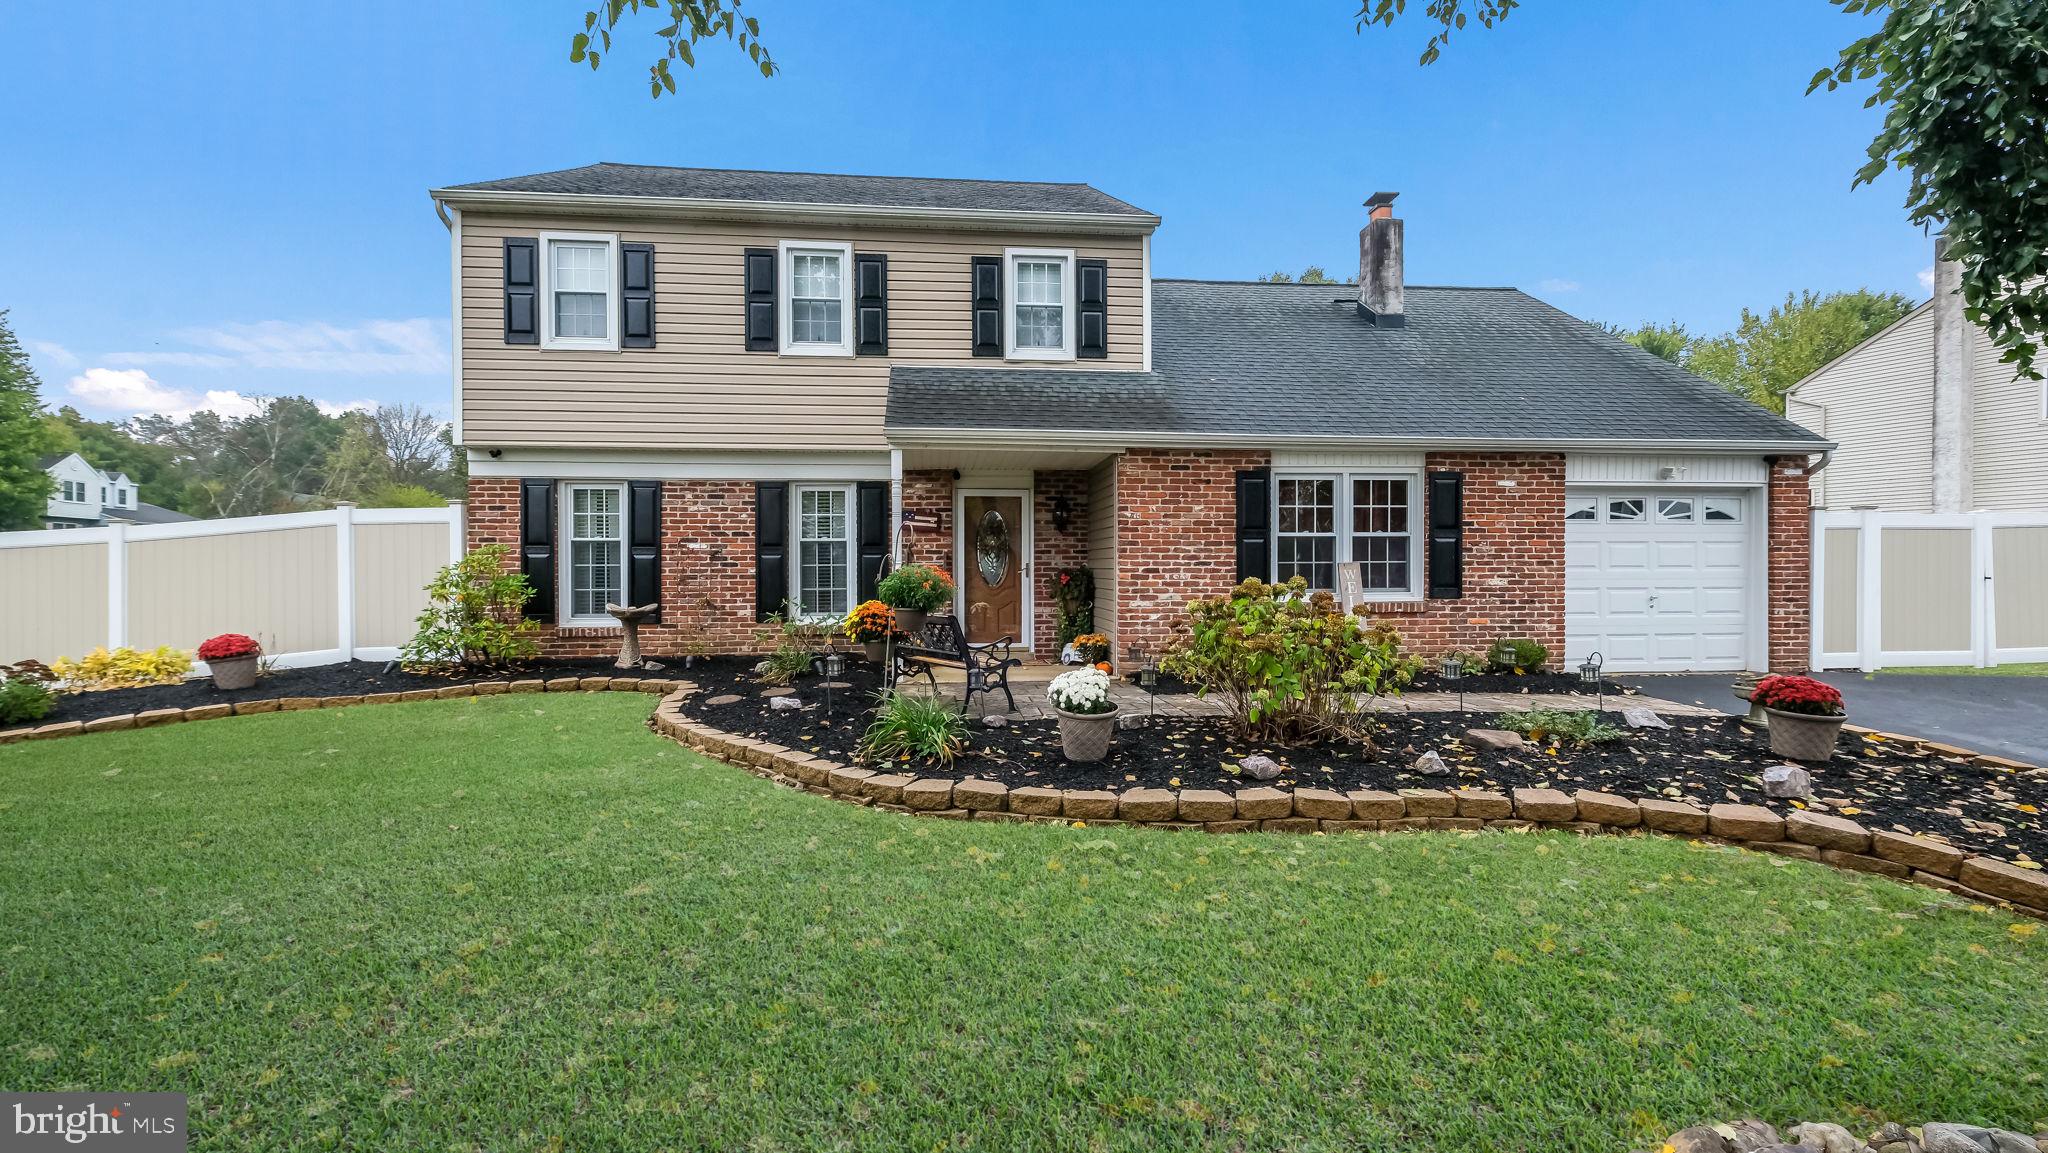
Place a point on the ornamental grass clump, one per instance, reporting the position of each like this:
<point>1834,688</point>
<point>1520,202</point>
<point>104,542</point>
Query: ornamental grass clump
<point>1292,665</point>
<point>1792,694</point>
<point>927,729</point>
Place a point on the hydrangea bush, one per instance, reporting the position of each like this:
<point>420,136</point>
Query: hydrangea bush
<point>1083,691</point>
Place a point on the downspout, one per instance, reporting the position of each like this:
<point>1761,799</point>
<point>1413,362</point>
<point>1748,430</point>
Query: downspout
<point>896,506</point>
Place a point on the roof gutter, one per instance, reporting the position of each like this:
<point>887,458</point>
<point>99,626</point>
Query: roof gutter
<point>1041,438</point>
<point>1132,224</point>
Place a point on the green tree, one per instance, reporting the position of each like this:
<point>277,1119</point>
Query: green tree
<point>1964,85</point>
<point>160,476</point>
<point>24,438</point>
<point>1769,353</point>
<point>1665,341</point>
<point>688,22</point>
<point>1313,274</point>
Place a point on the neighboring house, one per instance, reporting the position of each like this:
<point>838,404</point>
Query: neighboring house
<point>722,391</point>
<point>1878,401</point>
<point>85,497</point>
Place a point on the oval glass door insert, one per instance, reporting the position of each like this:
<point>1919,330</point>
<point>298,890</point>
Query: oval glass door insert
<point>992,548</point>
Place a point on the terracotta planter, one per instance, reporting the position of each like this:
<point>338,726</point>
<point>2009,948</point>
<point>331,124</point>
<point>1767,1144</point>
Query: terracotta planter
<point>234,672</point>
<point>1802,736</point>
<point>875,651</point>
<point>910,621</point>
<point>1084,737</point>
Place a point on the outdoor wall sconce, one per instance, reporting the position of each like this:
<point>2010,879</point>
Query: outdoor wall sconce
<point>1062,514</point>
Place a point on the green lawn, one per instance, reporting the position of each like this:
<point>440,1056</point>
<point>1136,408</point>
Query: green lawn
<point>521,923</point>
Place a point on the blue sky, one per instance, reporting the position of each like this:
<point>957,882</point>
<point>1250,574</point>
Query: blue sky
<point>202,203</point>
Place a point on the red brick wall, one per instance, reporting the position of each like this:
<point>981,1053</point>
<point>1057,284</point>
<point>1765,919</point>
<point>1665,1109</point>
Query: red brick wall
<point>1176,537</point>
<point>707,567</point>
<point>1790,588</point>
<point>930,493</point>
<point>1514,559</point>
<point>1054,550</point>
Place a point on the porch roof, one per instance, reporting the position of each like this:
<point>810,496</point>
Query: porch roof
<point>1236,361</point>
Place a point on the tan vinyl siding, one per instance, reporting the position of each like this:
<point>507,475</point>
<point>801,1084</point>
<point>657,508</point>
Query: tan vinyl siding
<point>2010,438</point>
<point>1878,403</point>
<point>54,598</point>
<point>1102,521</point>
<point>699,388</point>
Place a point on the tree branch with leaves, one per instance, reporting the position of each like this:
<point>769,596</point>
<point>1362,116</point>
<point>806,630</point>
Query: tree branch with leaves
<point>689,21</point>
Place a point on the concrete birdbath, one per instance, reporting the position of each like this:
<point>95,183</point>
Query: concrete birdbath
<point>629,618</point>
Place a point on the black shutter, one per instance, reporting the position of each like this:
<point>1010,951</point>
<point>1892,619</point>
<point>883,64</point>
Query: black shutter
<point>872,530</point>
<point>636,295</point>
<point>643,544</point>
<point>522,290</point>
<point>871,304</point>
<point>537,546</point>
<point>1091,300</point>
<point>1254,524</point>
<point>771,547</point>
<point>760,304</point>
<point>1446,535</point>
<point>988,305</point>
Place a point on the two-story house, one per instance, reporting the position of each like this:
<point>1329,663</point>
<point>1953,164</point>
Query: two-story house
<point>85,497</point>
<point>727,392</point>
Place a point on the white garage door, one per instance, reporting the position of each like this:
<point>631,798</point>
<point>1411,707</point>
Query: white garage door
<point>1656,580</point>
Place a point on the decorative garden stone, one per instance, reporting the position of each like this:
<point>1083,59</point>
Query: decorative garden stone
<point>1431,764</point>
<point>1937,1137</point>
<point>1788,782</point>
<point>629,618</point>
<point>1259,768</point>
<point>995,721</point>
<point>783,704</point>
<point>1130,722</point>
<point>1697,1139</point>
<point>1822,1137</point>
<point>1638,717</point>
<point>1493,740</point>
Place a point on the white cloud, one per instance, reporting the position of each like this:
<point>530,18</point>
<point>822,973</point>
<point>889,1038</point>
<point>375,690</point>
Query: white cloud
<point>53,352</point>
<point>1556,284</point>
<point>126,392</point>
<point>1927,279</point>
<point>416,346</point>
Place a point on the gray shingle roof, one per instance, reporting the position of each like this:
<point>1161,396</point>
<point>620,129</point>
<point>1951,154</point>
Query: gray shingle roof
<point>1235,359</point>
<point>812,188</point>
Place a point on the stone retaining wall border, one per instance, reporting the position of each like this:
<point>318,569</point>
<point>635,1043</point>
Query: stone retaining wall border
<point>1818,837</point>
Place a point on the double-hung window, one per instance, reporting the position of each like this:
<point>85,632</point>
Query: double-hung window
<point>823,574</point>
<point>1041,295</point>
<point>594,528</point>
<point>579,281</point>
<point>1367,519</point>
<point>817,285</point>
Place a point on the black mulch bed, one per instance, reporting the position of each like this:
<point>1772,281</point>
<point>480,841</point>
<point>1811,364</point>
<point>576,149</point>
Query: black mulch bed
<point>356,678</point>
<point>1432,682</point>
<point>1703,760</point>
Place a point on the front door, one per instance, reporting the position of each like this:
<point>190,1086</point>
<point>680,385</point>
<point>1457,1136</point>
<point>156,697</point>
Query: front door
<point>994,551</point>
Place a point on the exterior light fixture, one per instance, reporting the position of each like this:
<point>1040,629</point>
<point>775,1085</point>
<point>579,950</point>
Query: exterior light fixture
<point>835,667</point>
<point>1454,671</point>
<point>1589,674</point>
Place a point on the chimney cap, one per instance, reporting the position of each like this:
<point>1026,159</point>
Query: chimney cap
<point>1381,200</point>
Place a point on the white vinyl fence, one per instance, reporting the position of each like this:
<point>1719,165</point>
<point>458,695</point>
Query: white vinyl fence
<point>1915,588</point>
<point>313,588</point>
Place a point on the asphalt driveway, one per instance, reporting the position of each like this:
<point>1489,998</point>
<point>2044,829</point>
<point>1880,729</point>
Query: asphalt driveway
<point>2002,716</point>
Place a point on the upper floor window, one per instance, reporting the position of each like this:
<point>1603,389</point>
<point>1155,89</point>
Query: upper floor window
<point>579,285</point>
<point>1041,294</point>
<point>72,491</point>
<point>816,288</point>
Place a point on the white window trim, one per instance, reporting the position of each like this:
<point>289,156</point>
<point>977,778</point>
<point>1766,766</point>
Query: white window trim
<point>1345,482</point>
<point>565,575</point>
<point>785,289</point>
<point>1067,292</point>
<point>610,341</point>
<point>796,544</point>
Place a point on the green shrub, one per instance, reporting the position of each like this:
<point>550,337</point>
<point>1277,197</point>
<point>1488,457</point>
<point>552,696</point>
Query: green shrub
<point>475,614</point>
<point>917,587</point>
<point>1569,726</point>
<point>929,729</point>
<point>1073,593</point>
<point>1291,664</point>
<point>1516,655</point>
<point>23,699</point>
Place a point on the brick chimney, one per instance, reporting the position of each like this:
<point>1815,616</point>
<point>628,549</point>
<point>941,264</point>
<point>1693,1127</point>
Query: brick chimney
<point>1381,294</point>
